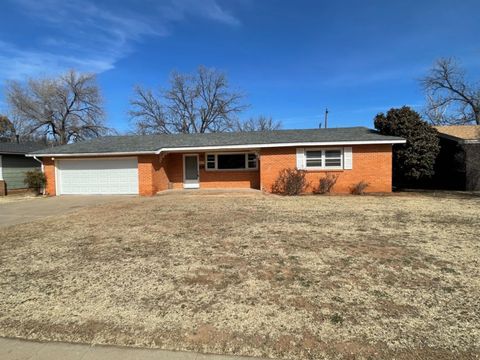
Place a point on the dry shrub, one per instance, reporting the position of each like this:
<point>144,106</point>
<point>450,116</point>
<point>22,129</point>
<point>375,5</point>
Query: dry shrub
<point>290,182</point>
<point>35,179</point>
<point>326,184</point>
<point>359,188</point>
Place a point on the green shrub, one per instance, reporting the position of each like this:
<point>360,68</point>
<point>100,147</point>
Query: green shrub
<point>359,188</point>
<point>290,182</point>
<point>326,184</point>
<point>415,160</point>
<point>35,179</point>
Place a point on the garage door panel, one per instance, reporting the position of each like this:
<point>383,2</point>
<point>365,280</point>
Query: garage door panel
<point>101,176</point>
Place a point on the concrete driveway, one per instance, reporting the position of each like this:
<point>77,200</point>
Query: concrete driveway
<point>13,349</point>
<point>18,212</point>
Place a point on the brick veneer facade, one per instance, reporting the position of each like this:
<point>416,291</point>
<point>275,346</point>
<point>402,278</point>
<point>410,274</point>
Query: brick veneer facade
<point>210,179</point>
<point>49,170</point>
<point>371,163</point>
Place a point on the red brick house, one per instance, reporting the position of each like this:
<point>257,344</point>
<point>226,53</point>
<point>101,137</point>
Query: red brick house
<point>148,164</point>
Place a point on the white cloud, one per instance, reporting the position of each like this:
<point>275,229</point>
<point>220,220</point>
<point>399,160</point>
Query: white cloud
<point>18,64</point>
<point>85,35</point>
<point>206,8</point>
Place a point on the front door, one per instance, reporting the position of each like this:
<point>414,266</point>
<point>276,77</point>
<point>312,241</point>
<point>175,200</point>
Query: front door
<point>190,172</point>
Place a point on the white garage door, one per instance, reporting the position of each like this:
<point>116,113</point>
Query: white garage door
<point>97,176</point>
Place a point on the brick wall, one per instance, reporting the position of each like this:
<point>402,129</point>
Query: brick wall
<point>174,170</point>
<point>210,179</point>
<point>152,174</point>
<point>371,163</point>
<point>49,170</point>
<point>160,175</point>
<point>146,174</point>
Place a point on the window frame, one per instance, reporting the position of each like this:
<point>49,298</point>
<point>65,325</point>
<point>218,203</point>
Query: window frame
<point>246,168</point>
<point>323,158</point>
<point>207,161</point>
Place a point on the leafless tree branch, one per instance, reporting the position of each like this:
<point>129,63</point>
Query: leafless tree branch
<point>260,123</point>
<point>450,98</point>
<point>64,109</point>
<point>194,103</point>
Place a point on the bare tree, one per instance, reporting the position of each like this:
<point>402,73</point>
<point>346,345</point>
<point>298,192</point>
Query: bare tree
<point>260,123</point>
<point>148,113</point>
<point>7,129</point>
<point>194,103</point>
<point>451,99</point>
<point>63,109</point>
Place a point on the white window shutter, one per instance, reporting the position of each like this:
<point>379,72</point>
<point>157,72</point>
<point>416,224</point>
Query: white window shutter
<point>347,158</point>
<point>300,161</point>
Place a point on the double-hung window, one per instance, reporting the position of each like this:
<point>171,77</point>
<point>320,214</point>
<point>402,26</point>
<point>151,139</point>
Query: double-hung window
<point>231,161</point>
<point>211,162</point>
<point>324,159</point>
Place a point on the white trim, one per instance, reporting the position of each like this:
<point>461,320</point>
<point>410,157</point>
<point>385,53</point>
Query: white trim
<point>98,158</point>
<point>245,153</point>
<point>57,185</point>
<point>191,185</point>
<point>108,154</point>
<point>299,158</point>
<point>250,146</point>
<point>226,147</point>
<point>1,168</point>
<point>323,158</point>
<point>42,167</point>
<point>41,163</point>
<point>348,158</point>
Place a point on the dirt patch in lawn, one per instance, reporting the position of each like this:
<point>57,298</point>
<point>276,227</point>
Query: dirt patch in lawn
<point>296,278</point>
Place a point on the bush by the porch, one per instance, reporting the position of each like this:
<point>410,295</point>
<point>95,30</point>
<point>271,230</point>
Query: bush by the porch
<point>290,182</point>
<point>35,180</point>
<point>326,184</point>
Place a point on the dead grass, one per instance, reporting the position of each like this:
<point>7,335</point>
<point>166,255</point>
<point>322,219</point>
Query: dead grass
<point>296,278</point>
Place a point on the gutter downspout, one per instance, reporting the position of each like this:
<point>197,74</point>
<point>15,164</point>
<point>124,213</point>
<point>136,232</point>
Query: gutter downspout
<point>41,163</point>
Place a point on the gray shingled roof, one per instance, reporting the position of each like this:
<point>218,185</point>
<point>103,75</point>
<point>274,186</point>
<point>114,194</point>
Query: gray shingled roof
<point>19,148</point>
<point>151,143</point>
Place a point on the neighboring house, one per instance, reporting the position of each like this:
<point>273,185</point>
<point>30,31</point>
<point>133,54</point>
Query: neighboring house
<point>14,164</point>
<point>147,164</point>
<point>458,163</point>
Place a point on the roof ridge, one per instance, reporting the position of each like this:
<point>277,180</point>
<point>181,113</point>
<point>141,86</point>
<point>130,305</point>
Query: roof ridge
<point>220,132</point>
<point>152,143</point>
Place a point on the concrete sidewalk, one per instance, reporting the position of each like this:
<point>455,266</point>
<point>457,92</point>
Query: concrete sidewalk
<point>13,349</point>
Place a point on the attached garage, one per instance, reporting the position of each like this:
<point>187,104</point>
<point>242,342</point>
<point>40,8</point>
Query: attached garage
<point>147,164</point>
<point>97,176</point>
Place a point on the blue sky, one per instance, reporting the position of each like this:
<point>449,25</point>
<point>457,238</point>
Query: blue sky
<point>291,58</point>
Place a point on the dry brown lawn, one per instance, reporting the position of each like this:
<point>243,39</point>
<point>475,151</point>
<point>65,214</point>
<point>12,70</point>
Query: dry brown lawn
<point>311,277</point>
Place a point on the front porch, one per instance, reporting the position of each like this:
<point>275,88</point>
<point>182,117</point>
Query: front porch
<point>199,170</point>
